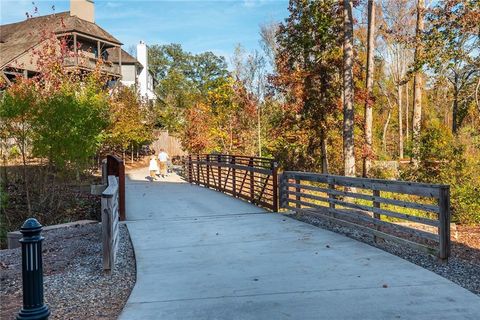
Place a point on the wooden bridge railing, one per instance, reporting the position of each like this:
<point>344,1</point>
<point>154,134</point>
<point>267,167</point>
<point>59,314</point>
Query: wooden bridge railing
<point>379,207</point>
<point>251,178</point>
<point>110,217</point>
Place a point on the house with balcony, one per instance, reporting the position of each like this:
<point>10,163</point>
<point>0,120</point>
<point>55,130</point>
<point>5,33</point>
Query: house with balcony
<point>89,45</point>
<point>135,71</point>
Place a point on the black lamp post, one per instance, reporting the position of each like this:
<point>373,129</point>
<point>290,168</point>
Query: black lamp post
<point>32,272</point>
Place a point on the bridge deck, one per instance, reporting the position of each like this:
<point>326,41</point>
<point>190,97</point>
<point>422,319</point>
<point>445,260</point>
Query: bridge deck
<point>204,255</point>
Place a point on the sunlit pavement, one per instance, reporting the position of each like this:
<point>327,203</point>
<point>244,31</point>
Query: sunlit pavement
<point>205,255</point>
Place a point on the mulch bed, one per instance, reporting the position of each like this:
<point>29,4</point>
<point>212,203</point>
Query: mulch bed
<point>462,268</point>
<point>76,287</point>
<point>467,244</point>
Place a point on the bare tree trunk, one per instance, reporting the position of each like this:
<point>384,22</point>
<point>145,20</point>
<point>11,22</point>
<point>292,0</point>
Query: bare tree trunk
<point>324,152</point>
<point>477,100</point>
<point>5,172</point>
<point>259,130</point>
<point>369,85</point>
<point>400,122</point>
<point>387,121</point>
<point>417,84</point>
<point>231,136</point>
<point>348,86</point>
<point>25,179</point>
<point>385,128</point>
<point>455,105</point>
<point>407,105</point>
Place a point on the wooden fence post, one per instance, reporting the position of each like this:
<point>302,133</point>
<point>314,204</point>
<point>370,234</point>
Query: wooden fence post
<point>104,172</point>
<point>283,190</point>
<point>110,218</point>
<point>376,204</point>
<point>275,185</point>
<point>298,197</point>
<point>444,219</point>
<point>331,186</point>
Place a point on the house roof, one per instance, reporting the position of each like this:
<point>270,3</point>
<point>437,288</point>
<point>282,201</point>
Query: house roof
<point>17,38</point>
<point>126,57</point>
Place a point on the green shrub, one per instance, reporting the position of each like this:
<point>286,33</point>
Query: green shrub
<point>452,160</point>
<point>465,201</point>
<point>14,152</point>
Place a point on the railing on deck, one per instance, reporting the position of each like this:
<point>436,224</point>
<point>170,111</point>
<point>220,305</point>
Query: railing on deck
<point>376,206</point>
<point>250,178</point>
<point>110,217</point>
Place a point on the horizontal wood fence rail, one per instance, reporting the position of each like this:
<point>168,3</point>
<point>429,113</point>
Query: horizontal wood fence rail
<point>110,217</point>
<point>116,167</point>
<point>251,178</point>
<point>422,210</point>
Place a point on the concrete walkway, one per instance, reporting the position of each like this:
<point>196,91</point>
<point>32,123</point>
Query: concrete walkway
<point>204,255</point>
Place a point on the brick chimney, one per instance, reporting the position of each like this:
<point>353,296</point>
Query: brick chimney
<point>84,9</point>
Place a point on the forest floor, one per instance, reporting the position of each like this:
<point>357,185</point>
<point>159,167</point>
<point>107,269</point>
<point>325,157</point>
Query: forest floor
<point>54,198</point>
<point>462,268</point>
<point>76,287</point>
<point>467,244</point>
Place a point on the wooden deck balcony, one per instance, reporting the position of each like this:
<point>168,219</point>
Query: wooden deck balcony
<point>90,63</point>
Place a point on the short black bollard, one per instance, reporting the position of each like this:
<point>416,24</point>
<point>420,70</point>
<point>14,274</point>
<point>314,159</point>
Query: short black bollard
<point>32,272</point>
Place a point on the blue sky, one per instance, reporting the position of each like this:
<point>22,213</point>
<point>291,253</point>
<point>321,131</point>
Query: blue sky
<point>197,25</point>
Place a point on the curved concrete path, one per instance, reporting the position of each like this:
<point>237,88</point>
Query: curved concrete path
<point>204,255</point>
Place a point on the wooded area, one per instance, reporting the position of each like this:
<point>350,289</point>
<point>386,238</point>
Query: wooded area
<point>391,80</point>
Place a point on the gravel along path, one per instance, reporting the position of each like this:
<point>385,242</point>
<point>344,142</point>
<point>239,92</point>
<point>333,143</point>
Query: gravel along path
<point>76,287</point>
<point>463,267</point>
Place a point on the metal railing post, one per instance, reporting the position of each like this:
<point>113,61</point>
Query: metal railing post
<point>116,167</point>
<point>274,168</point>
<point>34,307</point>
<point>234,177</point>
<point>198,169</point>
<point>208,171</point>
<point>252,182</point>
<point>219,172</point>
<point>190,177</point>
